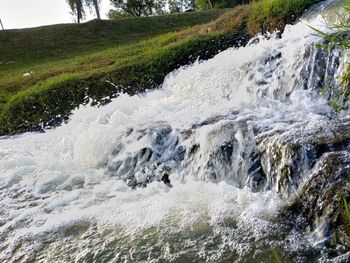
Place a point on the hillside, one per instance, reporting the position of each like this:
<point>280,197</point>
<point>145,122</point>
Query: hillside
<point>33,45</point>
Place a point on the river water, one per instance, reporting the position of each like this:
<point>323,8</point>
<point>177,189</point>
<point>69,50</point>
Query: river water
<point>173,175</point>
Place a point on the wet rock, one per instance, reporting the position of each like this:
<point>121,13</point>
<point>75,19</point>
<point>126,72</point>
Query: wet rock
<point>215,152</point>
<point>146,155</point>
<point>165,179</point>
<point>321,67</point>
<point>320,201</point>
<point>288,154</point>
<point>272,57</point>
<point>256,177</point>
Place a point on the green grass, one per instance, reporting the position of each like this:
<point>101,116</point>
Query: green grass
<point>267,15</point>
<point>33,45</point>
<point>347,211</point>
<point>53,50</point>
<point>339,38</point>
<point>344,220</point>
<point>72,62</point>
<point>277,256</point>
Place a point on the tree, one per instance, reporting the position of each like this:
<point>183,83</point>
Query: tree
<point>96,5</point>
<point>177,6</point>
<point>117,14</point>
<point>77,8</point>
<point>174,6</point>
<point>137,7</point>
<point>210,4</point>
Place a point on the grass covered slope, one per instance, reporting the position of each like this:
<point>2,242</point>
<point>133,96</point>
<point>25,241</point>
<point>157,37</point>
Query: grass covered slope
<point>66,72</point>
<point>33,45</point>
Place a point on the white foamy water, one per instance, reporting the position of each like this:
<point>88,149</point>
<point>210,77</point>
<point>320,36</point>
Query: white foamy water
<point>62,197</point>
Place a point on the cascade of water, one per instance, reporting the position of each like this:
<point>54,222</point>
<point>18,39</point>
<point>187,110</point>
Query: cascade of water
<point>204,159</point>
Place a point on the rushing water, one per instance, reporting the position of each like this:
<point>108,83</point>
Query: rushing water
<point>172,175</point>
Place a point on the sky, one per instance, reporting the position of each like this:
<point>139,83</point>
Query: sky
<point>32,13</point>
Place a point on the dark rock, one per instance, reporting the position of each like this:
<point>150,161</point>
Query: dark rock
<point>165,179</point>
<point>319,71</point>
<point>139,167</point>
<point>287,155</point>
<point>320,200</point>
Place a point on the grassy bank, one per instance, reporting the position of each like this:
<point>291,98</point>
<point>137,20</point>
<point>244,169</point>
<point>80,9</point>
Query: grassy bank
<point>268,15</point>
<point>68,63</point>
<point>34,45</point>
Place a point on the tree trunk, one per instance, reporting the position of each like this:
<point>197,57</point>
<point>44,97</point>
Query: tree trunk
<point>79,10</point>
<point>97,9</point>
<point>210,4</point>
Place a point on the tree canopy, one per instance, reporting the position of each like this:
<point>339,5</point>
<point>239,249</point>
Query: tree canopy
<point>125,8</point>
<point>210,4</point>
<point>136,8</point>
<point>139,7</point>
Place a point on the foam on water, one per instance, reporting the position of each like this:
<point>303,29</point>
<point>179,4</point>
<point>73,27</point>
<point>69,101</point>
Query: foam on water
<point>57,183</point>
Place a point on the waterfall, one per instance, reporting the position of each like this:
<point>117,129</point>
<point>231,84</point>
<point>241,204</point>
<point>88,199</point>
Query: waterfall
<point>195,171</point>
